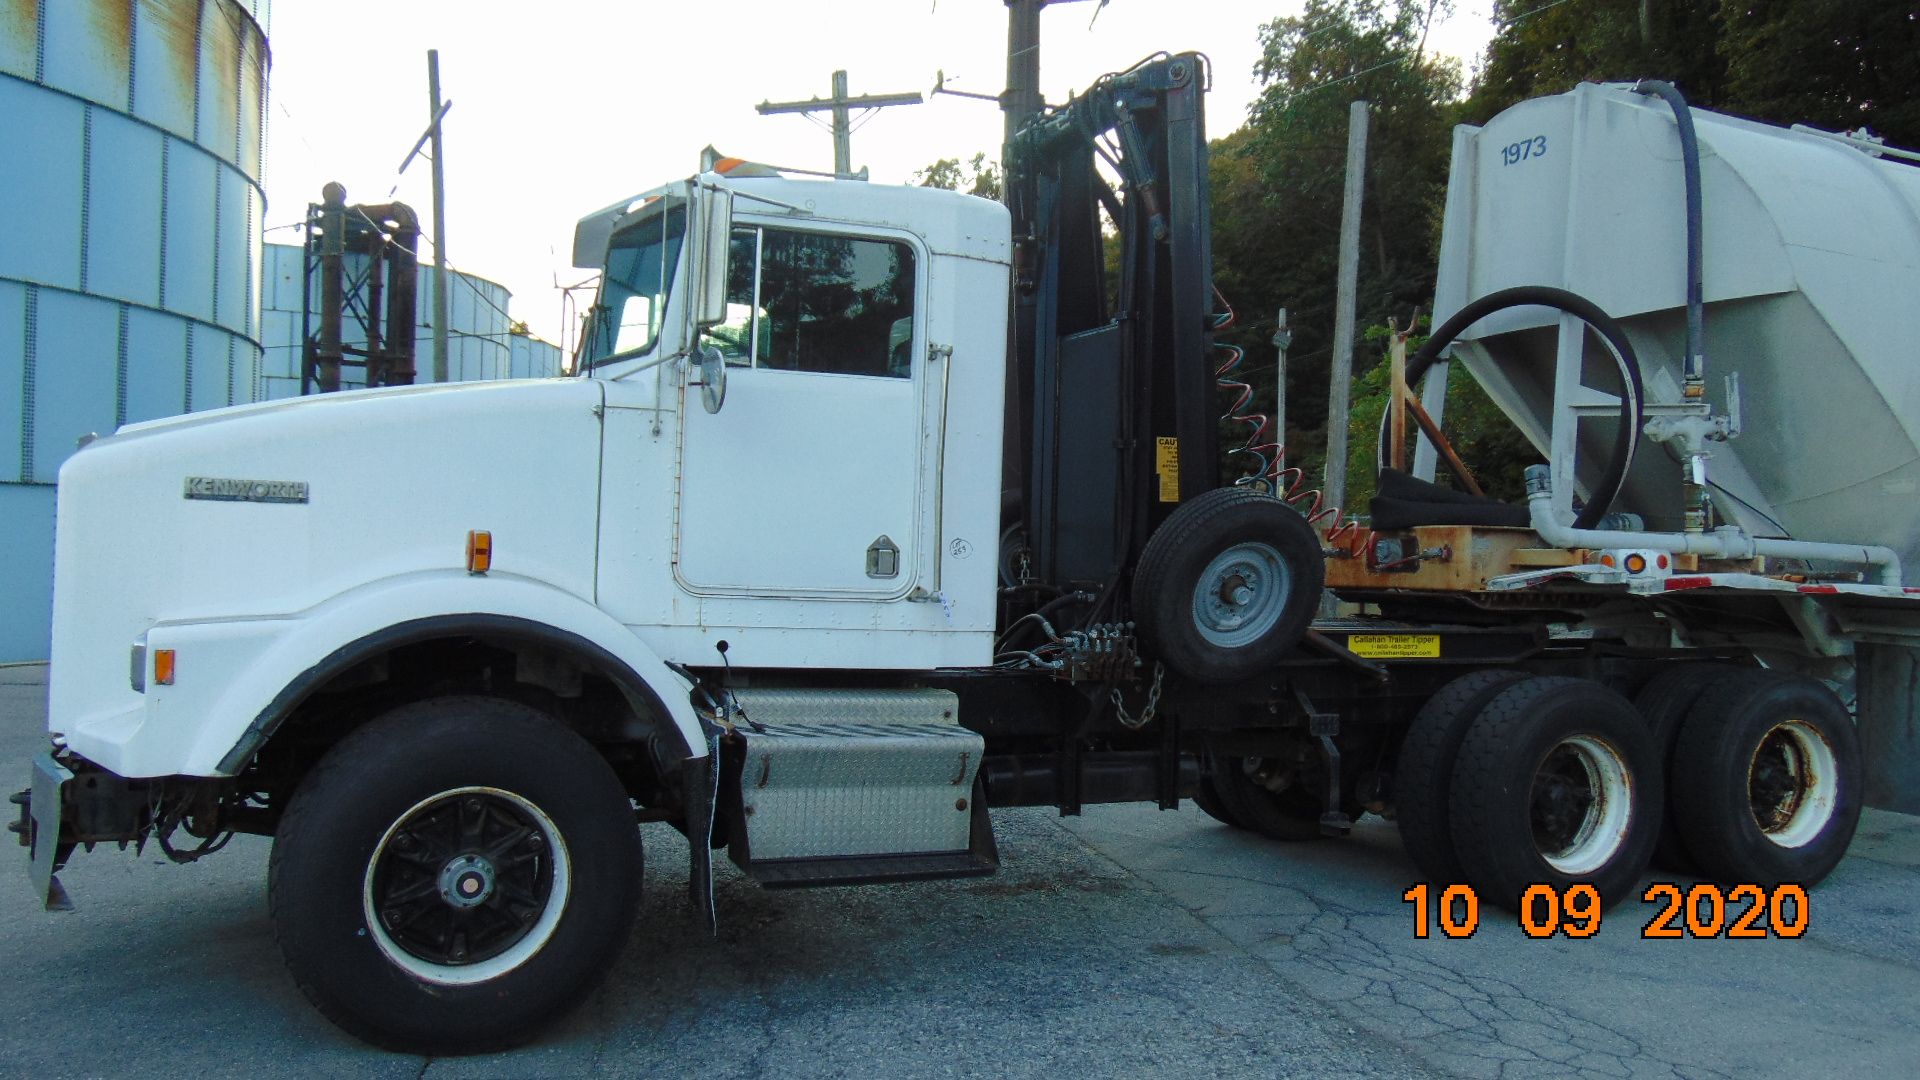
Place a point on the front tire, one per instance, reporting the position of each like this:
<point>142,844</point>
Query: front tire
<point>454,875</point>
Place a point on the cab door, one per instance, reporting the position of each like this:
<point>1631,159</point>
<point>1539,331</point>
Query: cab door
<point>808,482</point>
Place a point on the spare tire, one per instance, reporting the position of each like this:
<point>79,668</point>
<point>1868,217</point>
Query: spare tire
<point>1227,585</point>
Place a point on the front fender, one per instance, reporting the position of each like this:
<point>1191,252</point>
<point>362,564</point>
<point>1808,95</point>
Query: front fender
<point>237,679</point>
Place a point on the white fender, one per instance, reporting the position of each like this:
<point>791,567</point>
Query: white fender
<point>246,673</point>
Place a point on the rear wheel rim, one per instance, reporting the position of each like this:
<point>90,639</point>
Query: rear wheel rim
<point>1241,595</point>
<point>466,885</point>
<point>1792,784</point>
<point>1581,804</point>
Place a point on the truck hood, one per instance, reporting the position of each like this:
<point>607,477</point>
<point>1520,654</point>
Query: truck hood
<point>263,511</point>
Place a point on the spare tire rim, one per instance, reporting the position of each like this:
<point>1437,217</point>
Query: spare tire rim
<point>1241,595</point>
<point>1581,804</point>
<point>1792,783</point>
<point>466,886</point>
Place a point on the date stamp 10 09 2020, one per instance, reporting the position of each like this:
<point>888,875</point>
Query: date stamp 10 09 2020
<point>1705,910</point>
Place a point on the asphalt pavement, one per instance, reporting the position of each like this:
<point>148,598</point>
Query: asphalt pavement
<point>1126,942</point>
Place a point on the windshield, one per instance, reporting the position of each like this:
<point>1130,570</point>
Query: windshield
<point>633,292</point>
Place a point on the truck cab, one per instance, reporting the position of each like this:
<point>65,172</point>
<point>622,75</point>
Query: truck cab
<point>813,475</point>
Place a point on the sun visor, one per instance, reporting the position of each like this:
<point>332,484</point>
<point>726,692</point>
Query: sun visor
<point>591,235</point>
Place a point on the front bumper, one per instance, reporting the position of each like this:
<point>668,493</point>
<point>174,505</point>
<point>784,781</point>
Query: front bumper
<point>74,802</point>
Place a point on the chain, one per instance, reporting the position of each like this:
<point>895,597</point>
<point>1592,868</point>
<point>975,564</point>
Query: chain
<point>1153,702</point>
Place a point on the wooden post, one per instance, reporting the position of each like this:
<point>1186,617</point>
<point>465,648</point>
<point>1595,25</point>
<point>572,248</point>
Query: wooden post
<point>1340,379</point>
<point>1397,400</point>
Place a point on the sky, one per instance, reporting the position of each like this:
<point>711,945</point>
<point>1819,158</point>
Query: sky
<point>561,107</point>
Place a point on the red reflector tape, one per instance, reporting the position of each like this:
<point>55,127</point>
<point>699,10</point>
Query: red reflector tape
<point>1675,584</point>
<point>1820,589</point>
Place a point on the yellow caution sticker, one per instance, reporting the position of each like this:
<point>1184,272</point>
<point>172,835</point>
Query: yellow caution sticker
<point>1166,462</point>
<point>1395,646</point>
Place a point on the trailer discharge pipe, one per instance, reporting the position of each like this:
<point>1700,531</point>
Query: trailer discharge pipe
<point>1725,542</point>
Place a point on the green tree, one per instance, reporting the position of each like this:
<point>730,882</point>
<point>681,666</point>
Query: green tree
<point>1541,48</point>
<point>1277,189</point>
<point>977,177</point>
<point>1839,64</point>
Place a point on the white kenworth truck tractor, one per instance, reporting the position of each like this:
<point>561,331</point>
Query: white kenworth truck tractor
<point>873,508</point>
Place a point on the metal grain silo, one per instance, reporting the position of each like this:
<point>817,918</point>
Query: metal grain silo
<point>479,337</point>
<point>534,358</point>
<point>131,178</point>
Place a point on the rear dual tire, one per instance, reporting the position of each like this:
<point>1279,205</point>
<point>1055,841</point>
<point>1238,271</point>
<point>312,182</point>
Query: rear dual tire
<point>1556,783</point>
<point>1247,799</point>
<point>1423,777</point>
<point>1773,779</point>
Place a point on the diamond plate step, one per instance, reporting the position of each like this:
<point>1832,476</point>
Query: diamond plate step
<point>830,793</point>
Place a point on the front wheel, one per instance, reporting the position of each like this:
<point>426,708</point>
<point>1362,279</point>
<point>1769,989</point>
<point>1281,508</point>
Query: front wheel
<point>454,875</point>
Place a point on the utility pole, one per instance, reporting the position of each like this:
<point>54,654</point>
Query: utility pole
<point>439,221</point>
<point>1022,101</point>
<point>841,106</point>
<point>1340,381</point>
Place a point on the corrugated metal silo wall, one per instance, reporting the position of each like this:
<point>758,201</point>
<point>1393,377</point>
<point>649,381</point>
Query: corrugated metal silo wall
<point>534,358</point>
<point>477,325</point>
<point>131,181</point>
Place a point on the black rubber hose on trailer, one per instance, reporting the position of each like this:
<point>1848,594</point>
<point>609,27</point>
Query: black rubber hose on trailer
<point>1696,359</point>
<point>1610,331</point>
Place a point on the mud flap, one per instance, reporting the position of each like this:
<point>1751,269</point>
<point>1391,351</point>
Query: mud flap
<point>42,811</point>
<point>701,781</point>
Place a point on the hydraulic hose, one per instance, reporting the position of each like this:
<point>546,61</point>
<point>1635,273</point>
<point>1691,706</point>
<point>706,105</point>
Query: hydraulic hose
<point>1610,331</point>
<point>1696,360</point>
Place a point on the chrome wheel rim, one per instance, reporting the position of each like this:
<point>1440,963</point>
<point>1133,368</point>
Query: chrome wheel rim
<point>466,885</point>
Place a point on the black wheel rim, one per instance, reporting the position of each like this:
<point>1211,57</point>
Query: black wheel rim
<point>469,879</point>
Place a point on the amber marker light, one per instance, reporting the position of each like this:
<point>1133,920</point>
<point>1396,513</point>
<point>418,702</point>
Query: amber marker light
<point>163,667</point>
<point>1636,563</point>
<point>479,551</point>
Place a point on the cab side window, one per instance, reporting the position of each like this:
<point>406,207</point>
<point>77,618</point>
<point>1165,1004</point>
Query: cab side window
<point>801,301</point>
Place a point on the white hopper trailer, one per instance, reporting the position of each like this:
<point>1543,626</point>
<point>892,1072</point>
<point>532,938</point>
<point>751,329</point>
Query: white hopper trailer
<point>1778,413</point>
